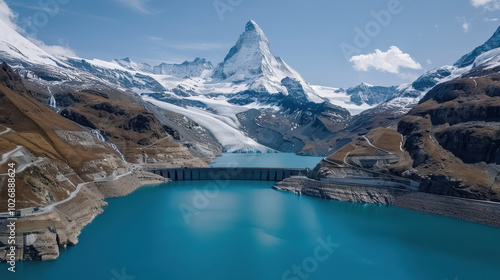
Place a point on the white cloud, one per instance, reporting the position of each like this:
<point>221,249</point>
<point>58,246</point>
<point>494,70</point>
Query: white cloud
<point>7,15</point>
<point>487,4</point>
<point>429,61</point>
<point>490,19</point>
<point>62,49</point>
<point>479,3</point>
<point>466,27</point>
<point>138,5</point>
<point>465,24</point>
<point>390,61</point>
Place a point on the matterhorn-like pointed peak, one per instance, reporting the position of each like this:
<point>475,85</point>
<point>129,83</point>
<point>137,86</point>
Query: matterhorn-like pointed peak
<point>251,62</point>
<point>252,29</point>
<point>245,59</point>
<point>252,25</point>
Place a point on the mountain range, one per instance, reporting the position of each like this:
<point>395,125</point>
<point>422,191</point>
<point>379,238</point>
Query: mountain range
<point>250,102</point>
<point>70,121</point>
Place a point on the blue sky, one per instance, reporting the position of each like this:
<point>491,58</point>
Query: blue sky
<point>308,35</point>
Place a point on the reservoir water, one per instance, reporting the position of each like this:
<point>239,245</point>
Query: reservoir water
<point>246,230</point>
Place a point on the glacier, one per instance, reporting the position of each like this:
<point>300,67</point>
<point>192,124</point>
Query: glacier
<point>249,77</point>
<point>224,128</point>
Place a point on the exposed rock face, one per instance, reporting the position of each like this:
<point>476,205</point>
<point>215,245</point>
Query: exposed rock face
<point>78,118</point>
<point>106,107</point>
<point>139,123</point>
<point>470,210</point>
<point>131,127</point>
<point>415,131</point>
<point>268,136</point>
<point>41,245</point>
<point>453,137</point>
<point>193,68</point>
<point>295,89</point>
<point>299,127</point>
<point>66,99</point>
<point>129,64</point>
<point>200,142</point>
<point>428,80</point>
<point>371,95</point>
<point>473,143</point>
<point>10,79</point>
<point>41,131</point>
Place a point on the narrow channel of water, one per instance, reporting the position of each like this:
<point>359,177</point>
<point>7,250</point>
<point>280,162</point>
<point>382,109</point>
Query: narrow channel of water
<point>246,230</point>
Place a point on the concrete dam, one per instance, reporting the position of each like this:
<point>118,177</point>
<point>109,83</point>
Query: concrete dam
<point>230,173</point>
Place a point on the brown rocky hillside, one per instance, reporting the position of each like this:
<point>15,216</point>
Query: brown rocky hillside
<point>453,137</point>
<point>130,126</point>
<point>54,153</point>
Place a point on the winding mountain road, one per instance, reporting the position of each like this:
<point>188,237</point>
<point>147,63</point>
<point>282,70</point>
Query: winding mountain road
<point>6,131</point>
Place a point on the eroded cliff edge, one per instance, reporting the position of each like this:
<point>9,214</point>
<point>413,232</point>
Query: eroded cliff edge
<point>466,209</point>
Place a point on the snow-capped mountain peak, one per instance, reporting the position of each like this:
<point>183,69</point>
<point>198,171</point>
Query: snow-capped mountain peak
<point>251,61</point>
<point>370,94</point>
<point>248,57</point>
<point>488,59</point>
<point>129,64</point>
<point>492,43</point>
<point>15,48</point>
<point>199,67</point>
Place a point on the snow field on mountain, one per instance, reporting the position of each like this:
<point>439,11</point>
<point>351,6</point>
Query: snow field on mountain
<point>340,98</point>
<point>224,128</point>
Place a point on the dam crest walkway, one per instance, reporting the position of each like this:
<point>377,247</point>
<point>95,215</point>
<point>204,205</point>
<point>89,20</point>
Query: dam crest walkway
<point>230,173</point>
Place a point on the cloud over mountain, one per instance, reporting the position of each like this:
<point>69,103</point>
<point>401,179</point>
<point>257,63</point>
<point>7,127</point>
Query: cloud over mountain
<point>390,61</point>
<point>488,4</point>
<point>7,15</point>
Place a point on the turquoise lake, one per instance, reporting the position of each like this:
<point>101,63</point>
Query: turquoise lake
<point>246,230</point>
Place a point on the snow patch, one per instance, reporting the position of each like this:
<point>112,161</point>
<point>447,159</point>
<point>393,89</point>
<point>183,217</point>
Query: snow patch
<point>223,127</point>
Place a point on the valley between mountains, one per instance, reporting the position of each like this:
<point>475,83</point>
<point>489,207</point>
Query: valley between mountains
<point>95,126</point>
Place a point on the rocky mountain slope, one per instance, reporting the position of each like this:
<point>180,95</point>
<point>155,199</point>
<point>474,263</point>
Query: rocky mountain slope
<point>453,137</point>
<point>250,77</point>
<point>310,119</point>
<point>135,131</point>
<point>55,152</point>
<point>448,142</point>
<point>58,146</point>
<point>485,60</point>
<point>199,67</point>
<point>67,163</point>
<point>371,95</point>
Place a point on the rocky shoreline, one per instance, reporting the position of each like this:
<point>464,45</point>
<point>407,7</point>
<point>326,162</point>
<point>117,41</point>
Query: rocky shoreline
<point>41,237</point>
<point>483,212</point>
